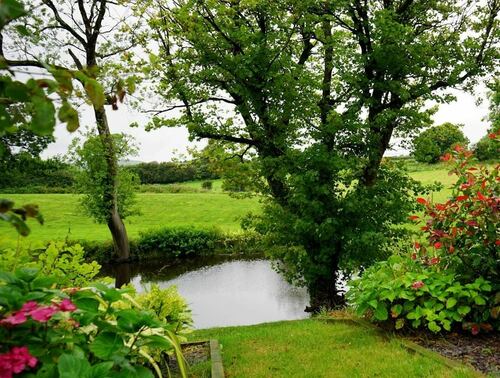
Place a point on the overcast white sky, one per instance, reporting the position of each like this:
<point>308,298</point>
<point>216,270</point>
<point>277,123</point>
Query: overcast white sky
<point>163,144</point>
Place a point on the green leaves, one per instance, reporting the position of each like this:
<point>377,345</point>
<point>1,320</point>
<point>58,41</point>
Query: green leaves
<point>10,10</point>
<point>95,92</point>
<point>107,344</point>
<point>68,115</point>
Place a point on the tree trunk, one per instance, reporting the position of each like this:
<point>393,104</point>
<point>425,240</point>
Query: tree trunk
<point>323,289</point>
<point>110,195</point>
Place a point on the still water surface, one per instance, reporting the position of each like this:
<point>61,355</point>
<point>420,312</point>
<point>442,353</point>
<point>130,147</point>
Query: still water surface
<point>222,292</point>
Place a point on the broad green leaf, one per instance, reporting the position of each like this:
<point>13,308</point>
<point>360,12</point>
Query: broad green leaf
<point>101,370</point>
<point>71,366</point>
<point>463,310</point>
<point>480,301</point>
<point>95,92</point>
<point>451,302</point>
<point>380,312</point>
<point>106,344</point>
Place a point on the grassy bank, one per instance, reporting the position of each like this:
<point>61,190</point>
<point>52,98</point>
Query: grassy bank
<point>63,217</point>
<point>311,348</point>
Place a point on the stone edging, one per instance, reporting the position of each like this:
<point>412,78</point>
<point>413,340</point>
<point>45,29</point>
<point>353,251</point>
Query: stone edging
<point>409,345</point>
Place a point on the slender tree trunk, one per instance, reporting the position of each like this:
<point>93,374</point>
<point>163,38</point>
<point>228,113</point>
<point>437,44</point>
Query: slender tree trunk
<point>114,221</point>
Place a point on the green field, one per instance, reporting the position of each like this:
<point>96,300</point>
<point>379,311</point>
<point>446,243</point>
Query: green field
<point>63,217</point>
<point>311,348</point>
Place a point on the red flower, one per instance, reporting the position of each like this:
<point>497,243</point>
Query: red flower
<point>66,305</point>
<point>474,329</point>
<point>446,157</point>
<point>43,314</point>
<point>417,285</point>
<point>472,223</point>
<point>462,198</point>
<point>451,249</point>
<point>421,201</point>
<point>434,261</point>
<point>497,242</point>
<point>438,245</point>
<point>492,136</point>
<point>417,245</point>
<point>16,318</point>
<point>458,148</point>
<point>413,217</point>
<point>481,197</point>
<point>413,256</point>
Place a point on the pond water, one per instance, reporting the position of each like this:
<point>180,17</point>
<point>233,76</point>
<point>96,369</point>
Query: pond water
<point>223,291</point>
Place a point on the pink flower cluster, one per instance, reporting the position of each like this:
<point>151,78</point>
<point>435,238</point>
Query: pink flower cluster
<point>15,361</point>
<point>38,313</point>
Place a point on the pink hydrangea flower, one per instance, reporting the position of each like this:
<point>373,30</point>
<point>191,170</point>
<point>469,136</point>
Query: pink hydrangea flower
<point>29,306</point>
<point>43,314</point>
<point>15,361</point>
<point>66,305</point>
<point>16,318</point>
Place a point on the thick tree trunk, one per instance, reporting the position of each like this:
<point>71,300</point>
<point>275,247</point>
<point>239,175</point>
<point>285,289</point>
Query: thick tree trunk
<point>114,221</point>
<point>323,289</point>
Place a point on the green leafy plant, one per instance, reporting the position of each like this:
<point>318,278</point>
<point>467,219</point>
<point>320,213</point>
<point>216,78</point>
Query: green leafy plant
<point>66,262</point>
<point>95,331</point>
<point>404,292</point>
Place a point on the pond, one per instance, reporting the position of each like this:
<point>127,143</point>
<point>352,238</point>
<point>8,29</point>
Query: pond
<point>223,291</point>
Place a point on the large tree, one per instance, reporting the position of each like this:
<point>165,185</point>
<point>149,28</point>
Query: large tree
<point>318,89</point>
<point>88,38</point>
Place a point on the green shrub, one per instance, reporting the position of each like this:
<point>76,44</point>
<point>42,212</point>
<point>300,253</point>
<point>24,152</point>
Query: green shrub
<point>432,143</point>
<point>172,243</point>
<point>177,242</point>
<point>167,304</point>
<point>170,188</point>
<point>207,185</point>
<point>406,293</point>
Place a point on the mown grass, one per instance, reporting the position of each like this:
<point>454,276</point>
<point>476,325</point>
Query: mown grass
<point>63,216</point>
<point>311,348</point>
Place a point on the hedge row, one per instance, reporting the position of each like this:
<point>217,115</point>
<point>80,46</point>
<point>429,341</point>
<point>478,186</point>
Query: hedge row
<point>174,243</point>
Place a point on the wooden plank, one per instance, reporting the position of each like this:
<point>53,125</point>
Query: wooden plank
<point>216,357</point>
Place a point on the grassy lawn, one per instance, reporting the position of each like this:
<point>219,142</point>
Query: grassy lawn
<point>63,216</point>
<point>311,348</point>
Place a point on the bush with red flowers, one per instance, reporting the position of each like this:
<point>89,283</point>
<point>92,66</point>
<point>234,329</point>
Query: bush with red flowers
<point>453,278</point>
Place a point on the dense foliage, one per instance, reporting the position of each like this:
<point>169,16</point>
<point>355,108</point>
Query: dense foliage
<point>454,276</point>
<point>171,172</point>
<point>434,142</point>
<point>27,174</point>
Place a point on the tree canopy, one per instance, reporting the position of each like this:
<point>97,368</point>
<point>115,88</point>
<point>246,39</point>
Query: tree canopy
<point>318,89</point>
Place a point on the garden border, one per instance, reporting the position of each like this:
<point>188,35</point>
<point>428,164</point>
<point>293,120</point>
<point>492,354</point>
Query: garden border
<point>409,345</point>
<point>217,368</point>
